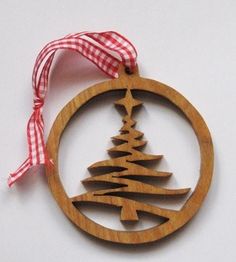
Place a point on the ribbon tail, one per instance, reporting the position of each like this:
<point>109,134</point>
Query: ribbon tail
<point>25,167</point>
<point>19,172</point>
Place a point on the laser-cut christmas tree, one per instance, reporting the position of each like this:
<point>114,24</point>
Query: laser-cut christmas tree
<point>123,170</point>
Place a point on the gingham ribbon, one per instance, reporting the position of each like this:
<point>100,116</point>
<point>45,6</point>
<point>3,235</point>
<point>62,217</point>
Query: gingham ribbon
<point>91,45</point>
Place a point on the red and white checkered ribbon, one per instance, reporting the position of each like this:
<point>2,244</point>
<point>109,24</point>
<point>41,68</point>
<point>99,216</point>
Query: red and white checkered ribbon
<point>91,45</point>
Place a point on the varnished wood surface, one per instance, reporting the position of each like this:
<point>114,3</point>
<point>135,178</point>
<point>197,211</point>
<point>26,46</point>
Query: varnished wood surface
<point>175,219</point>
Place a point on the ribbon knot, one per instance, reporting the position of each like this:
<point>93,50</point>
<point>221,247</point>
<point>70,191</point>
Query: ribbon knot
<point>38,103</point>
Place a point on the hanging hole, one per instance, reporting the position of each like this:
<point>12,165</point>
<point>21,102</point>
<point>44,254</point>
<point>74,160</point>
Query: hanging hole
<point>128,71</point>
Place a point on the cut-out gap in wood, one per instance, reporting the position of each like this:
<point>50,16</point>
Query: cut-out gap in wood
<point>103,214</point>
<point>105,169</point>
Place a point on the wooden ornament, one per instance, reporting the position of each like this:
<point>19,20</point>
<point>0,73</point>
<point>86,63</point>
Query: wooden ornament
<point>128,164</point>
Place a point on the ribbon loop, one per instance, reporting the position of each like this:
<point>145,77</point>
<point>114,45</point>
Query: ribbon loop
<point>115,42</point>
<point>81,43</point>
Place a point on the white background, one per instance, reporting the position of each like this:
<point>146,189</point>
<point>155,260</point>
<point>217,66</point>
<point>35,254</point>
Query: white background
<point>189,45</point>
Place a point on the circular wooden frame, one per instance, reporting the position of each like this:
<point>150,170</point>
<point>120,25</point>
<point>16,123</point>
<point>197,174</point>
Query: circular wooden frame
<point>134,82</point>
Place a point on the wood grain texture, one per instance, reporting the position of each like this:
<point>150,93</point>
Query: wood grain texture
<point>128,157</point>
